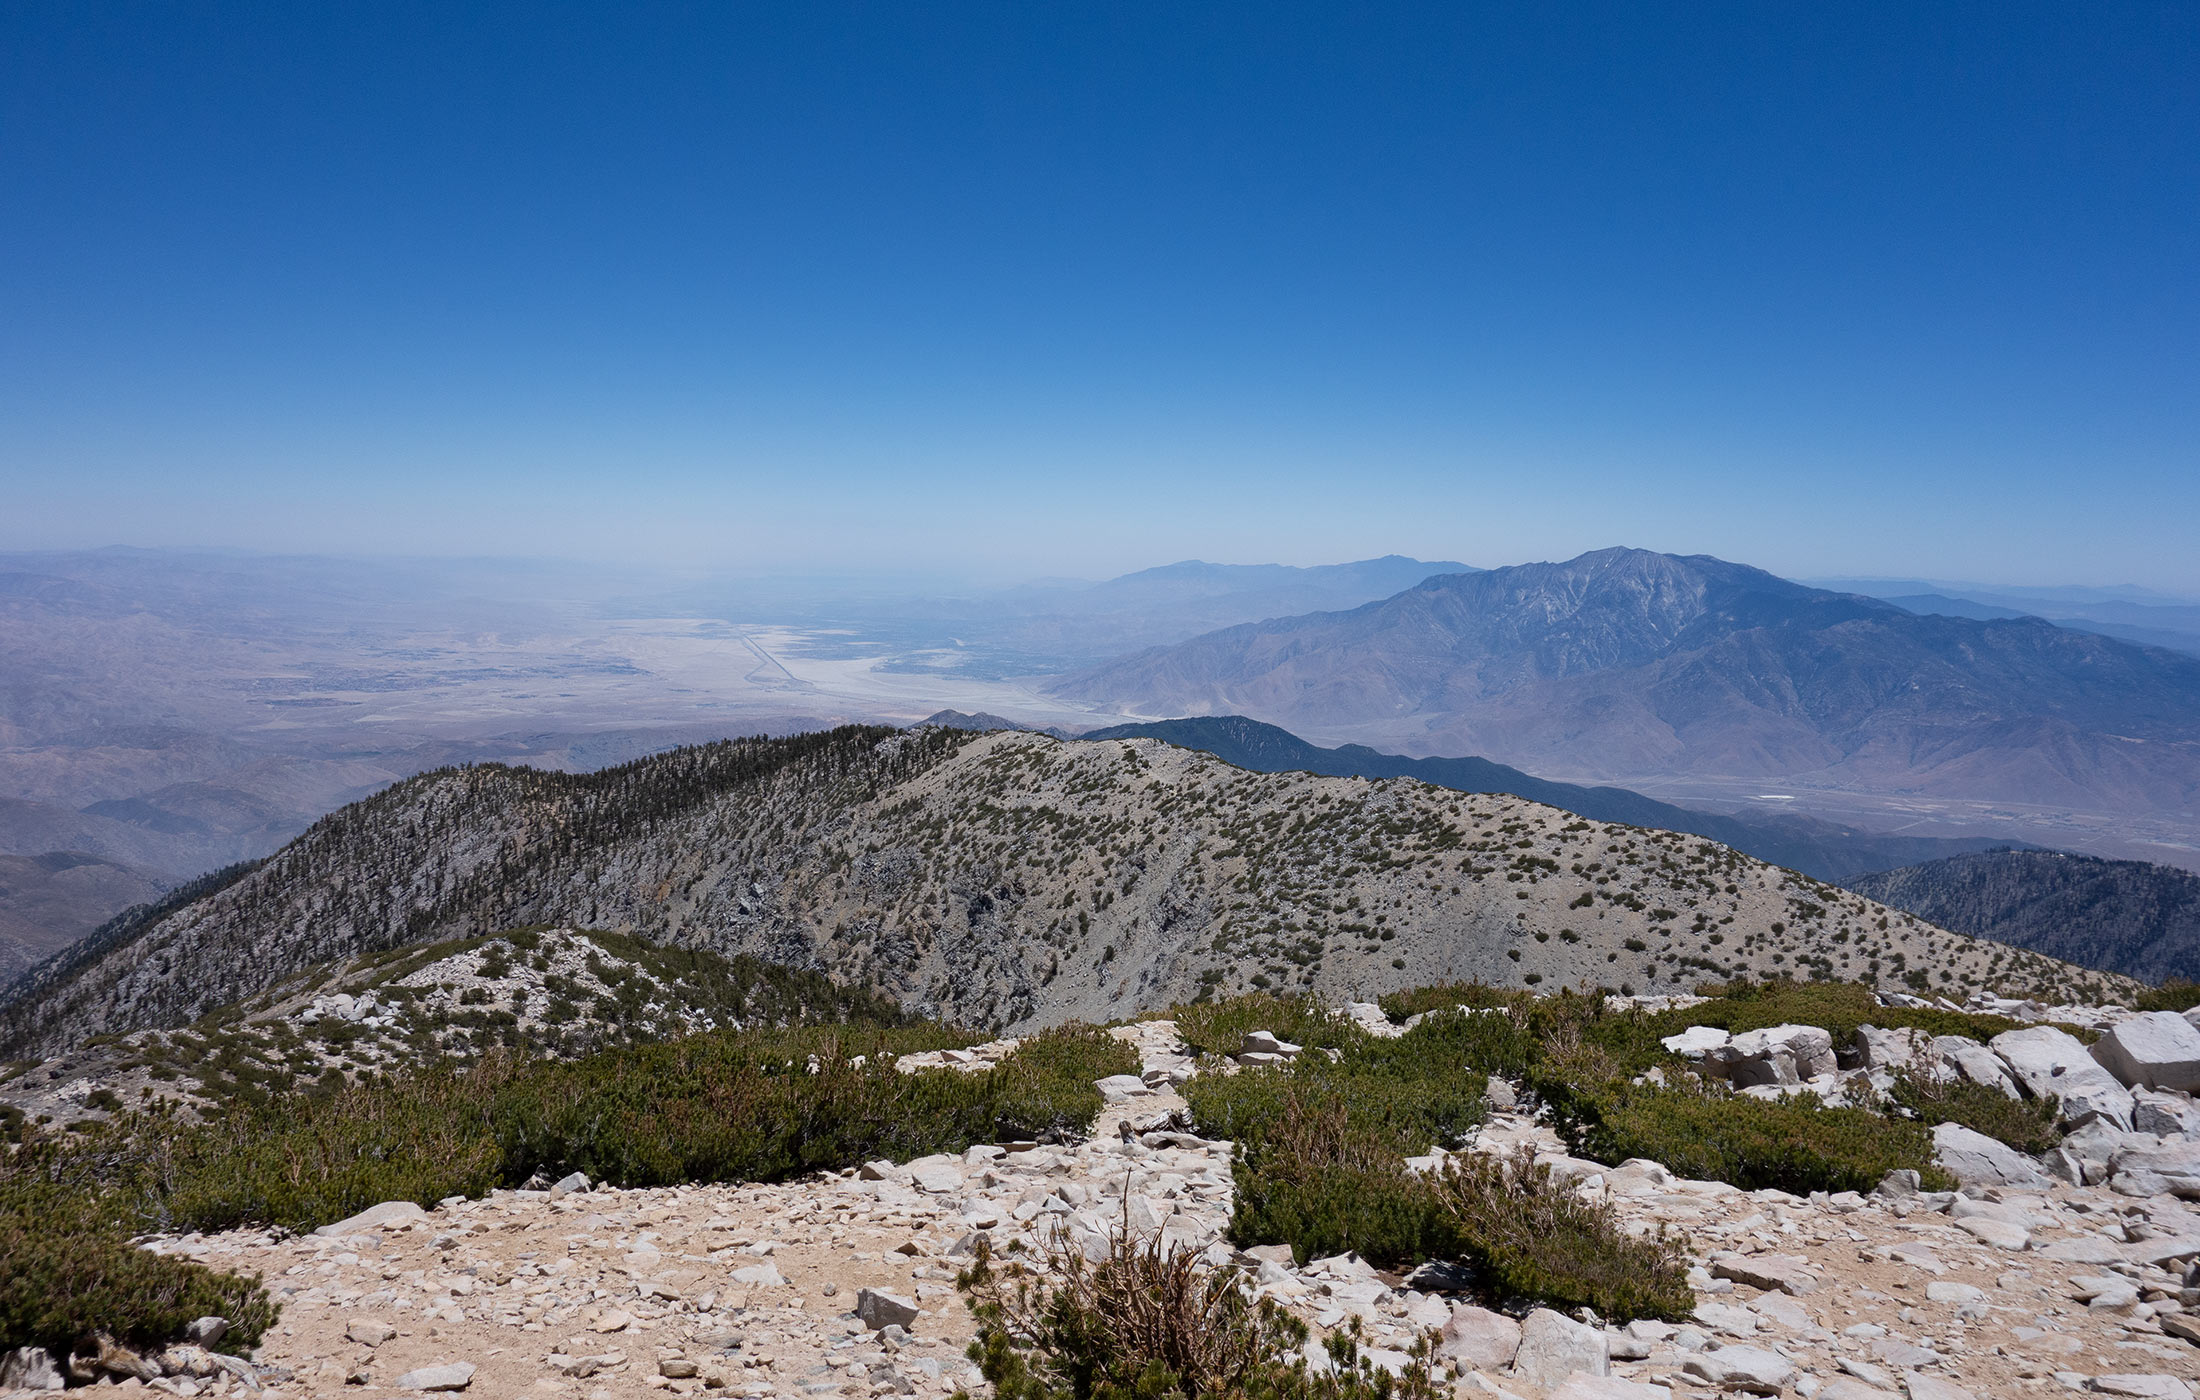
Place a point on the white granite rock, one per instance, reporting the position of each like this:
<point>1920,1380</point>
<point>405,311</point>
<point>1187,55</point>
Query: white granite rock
<point>2173,1167</point>
<point>1975,1159</point>
<point>376,1218</point>
<point>1479,1339</point>
<point>1553,1347</point>
<point>2153,1050</point>
<point>451,1375</point>
<point>2048,1061</point>
<point>1751,1370</point>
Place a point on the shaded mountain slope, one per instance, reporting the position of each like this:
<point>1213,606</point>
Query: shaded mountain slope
<point>1819,849</point>
<point>1006,878</point>
<point>49,900</point>
<point>1628,664</point>
<point>2137,918</point>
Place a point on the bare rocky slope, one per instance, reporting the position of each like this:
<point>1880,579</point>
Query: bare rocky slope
<point>1824,850</point>
<point>1010,879</point>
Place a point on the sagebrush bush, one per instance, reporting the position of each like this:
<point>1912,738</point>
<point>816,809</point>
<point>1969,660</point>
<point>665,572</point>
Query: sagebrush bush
<point>1794,1144</point>
<point>721,1106</point>
<point>1152,1323</point>
<point>1323,1140</point>
<point>2028,1125</point>
<point>68,1269</point>
<point>1219,1027</point>
<point>1530,1237</point>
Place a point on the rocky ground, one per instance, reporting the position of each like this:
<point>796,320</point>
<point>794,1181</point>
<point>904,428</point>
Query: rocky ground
<point>842,1285</point>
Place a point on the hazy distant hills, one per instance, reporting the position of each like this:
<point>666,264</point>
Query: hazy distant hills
<point>1624,663</point>
<point>2130,615</point>
<point>49,901</point>
<point>1824,850</point>
<point>2124,914</point>
<point>1062,625</point>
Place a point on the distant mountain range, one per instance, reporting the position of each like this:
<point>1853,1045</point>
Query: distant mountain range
<point>2129,615</point>
<point>1630,665</point>
<point>2128,915</point>
<point>1823,850</point>
<point>1053,627</point>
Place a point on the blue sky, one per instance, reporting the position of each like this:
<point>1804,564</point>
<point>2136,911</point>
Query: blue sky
<point>1016,288</point>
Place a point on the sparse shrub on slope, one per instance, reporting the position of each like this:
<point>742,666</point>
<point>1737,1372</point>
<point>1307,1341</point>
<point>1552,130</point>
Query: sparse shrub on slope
<point>1532,1237</point>
<point>1151,1323</point>
<point>724,1106</point>
<point>1325,1181</point>
<point>2175,994</point>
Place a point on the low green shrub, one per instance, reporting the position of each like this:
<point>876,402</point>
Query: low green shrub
<point>1219,1027</point>
<point>1152,1323</point>
<point>68,1269</point>
<point>721,1106</point>
<point>1326,1182</point>
<point>1794,1144</point>
<point>2028,1125</point>
<point>1531,1237</point>
<point>1322,1141</point>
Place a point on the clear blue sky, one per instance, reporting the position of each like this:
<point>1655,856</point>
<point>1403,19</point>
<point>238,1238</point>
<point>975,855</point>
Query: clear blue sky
<point>1059,288</point>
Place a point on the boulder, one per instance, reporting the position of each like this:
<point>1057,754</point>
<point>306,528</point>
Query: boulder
<point>1584,1387</point>
<point>2153,1050</point>
<point>1965,1058</point>
<point>1773,1056</point>
<point>1118,1087</point>
<point>30,1368</point>
<point>2165,1113</point>
<point>377,1217</point>
<point>566,1186</point>
<point>1751,1370</point>
<point>2143,1386</point>
<point>451,1375</point>
<point>1479,1340</point>
<point>1553,1347</point>
<point>1896,1048</point>
<point>369,1331</point>
<point>2150,1171</point>
<point>1696,1042</point>
<point>1919,1387</point>
<point>206,1331</point>
<point>1975,1159</point>
<point>1780,1273</point>
<point>2048,1061</point>
<point>877,1309</point>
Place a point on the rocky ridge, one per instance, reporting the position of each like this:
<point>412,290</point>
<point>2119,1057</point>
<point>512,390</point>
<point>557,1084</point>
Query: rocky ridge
<point>559,992</point>
<point>1011,879</point>
<point>841,1285</point>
